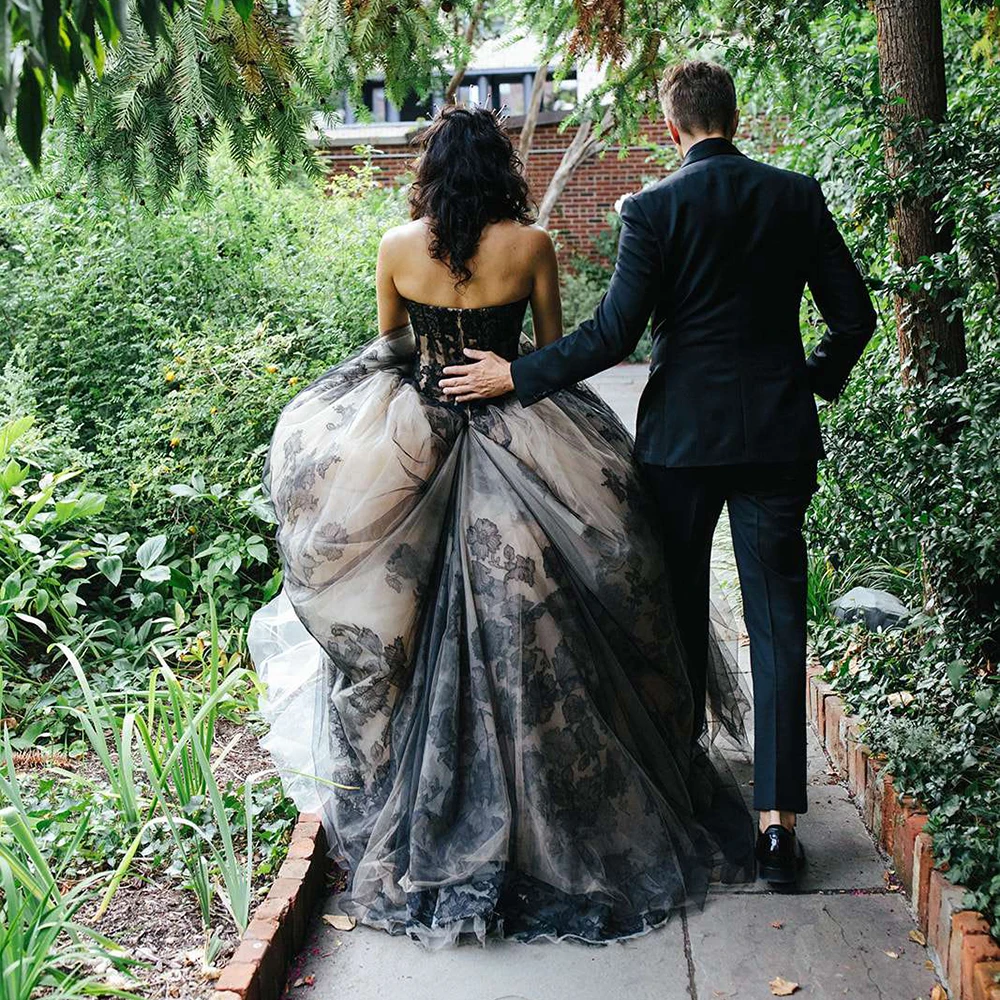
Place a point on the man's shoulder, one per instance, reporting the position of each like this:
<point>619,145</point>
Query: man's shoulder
<point>782,175</point>
<point>690,179</point>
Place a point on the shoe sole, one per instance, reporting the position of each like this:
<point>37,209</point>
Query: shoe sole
<point>782,876</point>
<point>779,876</point>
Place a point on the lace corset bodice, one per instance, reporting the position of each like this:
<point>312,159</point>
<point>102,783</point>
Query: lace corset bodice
<point>442,332</point>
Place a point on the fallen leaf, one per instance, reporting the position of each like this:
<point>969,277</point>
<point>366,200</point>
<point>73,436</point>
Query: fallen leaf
<point>304,981</point>
<point>115,980</point>
<point>893,954</point>
<point>777,924</point>
<point>918,937</point>
<point>899,699</point>
<point>341,921</point>
<point>928,964</point>
<point>938,992</point>
<point>782,987</point>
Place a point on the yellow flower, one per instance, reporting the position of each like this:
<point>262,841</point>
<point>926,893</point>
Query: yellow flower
<point>294,380</point>
<point>192,529</point>
<point>271,369</point>
<point>214,410</point>
<point>174,442</point>
<point>170,375</point>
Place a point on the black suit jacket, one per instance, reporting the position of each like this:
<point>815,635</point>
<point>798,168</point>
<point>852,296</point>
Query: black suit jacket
<point>719,254</point>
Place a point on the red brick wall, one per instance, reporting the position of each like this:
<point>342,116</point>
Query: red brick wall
<point>582,211</point>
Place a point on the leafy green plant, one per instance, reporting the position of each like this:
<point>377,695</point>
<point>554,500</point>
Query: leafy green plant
<point>163,767</point>
<point>42,944</point>
<point>170,730</point>
<point>117,758</point>
<point>41,551</point>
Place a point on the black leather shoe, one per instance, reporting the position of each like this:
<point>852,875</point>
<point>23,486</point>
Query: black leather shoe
<point>780,856</point>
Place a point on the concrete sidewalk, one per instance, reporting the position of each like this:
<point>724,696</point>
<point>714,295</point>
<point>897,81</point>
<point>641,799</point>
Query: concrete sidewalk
<point>843,934</point>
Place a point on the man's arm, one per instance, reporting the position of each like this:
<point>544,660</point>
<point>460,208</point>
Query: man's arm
<point>612,333</point>
<point>844,303</point>
<point>598,343</point>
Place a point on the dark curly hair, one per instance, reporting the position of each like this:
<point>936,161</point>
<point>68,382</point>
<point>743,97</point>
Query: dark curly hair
<point>468,174</point>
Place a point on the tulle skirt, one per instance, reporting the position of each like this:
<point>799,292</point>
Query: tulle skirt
<point>473,671</point>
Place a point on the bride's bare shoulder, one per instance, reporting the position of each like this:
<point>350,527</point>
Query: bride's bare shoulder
<point>525,238</point>
<point>405,236</point>
<point>538,241</point>
<point>536,237</point>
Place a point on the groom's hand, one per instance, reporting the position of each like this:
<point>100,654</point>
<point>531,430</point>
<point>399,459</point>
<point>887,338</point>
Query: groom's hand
<point>487,378</point>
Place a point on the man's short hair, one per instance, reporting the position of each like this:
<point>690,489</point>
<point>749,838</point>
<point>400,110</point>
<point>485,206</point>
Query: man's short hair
<point>699,96</point>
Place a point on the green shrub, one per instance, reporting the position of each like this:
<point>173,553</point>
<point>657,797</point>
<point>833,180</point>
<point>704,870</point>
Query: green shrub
<point>911,484</point>
<point>167,342</point>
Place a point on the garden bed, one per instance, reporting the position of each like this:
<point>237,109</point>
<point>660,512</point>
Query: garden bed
<point>153,917</point>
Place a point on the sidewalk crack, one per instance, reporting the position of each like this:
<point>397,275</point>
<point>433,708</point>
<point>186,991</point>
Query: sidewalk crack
<point>692,988</point>
<point>843,934</point>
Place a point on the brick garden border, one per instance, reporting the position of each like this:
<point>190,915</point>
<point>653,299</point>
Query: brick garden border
<point>968,955</point>
<point>277,929</point>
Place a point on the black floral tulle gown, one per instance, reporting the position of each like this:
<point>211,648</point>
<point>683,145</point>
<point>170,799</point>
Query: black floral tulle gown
<point>473,672</point>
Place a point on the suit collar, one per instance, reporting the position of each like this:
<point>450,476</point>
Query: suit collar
<point>714,146</point>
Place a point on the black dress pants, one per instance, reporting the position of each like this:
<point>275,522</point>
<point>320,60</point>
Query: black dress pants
<point>767,505</point>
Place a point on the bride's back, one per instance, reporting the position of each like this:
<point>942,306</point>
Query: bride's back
<point>503,267</point>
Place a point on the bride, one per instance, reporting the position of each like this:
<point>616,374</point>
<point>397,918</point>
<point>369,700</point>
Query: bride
<point>473,667</point>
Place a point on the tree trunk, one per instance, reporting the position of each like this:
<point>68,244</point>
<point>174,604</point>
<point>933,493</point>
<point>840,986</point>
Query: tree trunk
<point>533,107</point>
<point>470,33</point>
<point>584,145</point>
<point>931,336</point>
<point>911,66</point>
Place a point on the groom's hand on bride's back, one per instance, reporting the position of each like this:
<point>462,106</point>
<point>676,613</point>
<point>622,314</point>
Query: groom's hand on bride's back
<point>487,378</point>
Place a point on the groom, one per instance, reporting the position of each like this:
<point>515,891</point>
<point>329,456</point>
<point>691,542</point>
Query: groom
<point>719,254</point>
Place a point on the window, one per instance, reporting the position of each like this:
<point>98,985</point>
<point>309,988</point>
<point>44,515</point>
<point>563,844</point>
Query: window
<point>513,98</point>
<point>378,104</point>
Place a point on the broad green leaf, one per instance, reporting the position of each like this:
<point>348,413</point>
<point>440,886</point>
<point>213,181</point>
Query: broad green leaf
<point>9,433</point>
<point>259,551</point>
<point>11,587</point>
<point>12,475</point>
<point>956,671</point>
<point>30,543</point>
<point>983,697</point>
<point>111,567</point>
<point>150,551</point>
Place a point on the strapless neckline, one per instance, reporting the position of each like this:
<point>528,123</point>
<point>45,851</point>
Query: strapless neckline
<point>499,305</point>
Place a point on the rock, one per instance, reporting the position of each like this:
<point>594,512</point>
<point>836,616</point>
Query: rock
<point>879,610</point>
